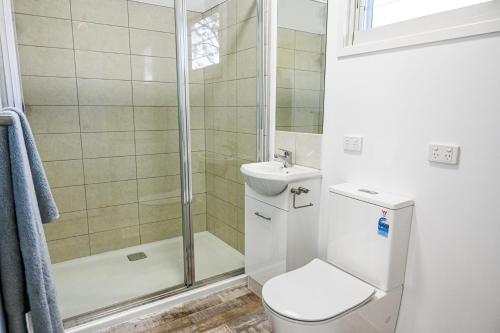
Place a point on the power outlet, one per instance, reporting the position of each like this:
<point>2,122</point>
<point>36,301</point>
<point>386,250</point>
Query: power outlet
<point>447,154</point>
<point>353,143</point>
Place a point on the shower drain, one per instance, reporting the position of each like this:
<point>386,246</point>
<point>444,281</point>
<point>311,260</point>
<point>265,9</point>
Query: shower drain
<point>137,256</point>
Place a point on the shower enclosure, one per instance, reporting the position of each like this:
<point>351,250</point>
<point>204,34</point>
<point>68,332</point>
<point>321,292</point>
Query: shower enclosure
<point>143,112</point>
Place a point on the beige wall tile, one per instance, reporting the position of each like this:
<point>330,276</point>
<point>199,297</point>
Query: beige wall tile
<point>286,38</point>
<point>69,248</point>
<point>100,170</point>
<point>108,144</point>
<point>222,210</point>
<point>247,63</point>
<point>284,117</point>
<point>114,239</point>
<point>227,40</point>
<point>225,118</point>
<point>221,165</point>
<point>58,147</point>
<point>100,65</point>
<point>247,119</point>
<point>110,194</point>
<point>68,225</point>
<point>308,80</point>
<point>196,94</point>
<point>246,9</point>
<point>151,17</point>
<point>104,92</point>
<point>197,117</point>
<point>247,92</point>
<point>43,61</point>
<point>241,242</point>
<point>246,34</point>
<point>221,94</point>
<point>51,8</point>
<point>100,37</point>
<point>308,61</point>
<point>114,217</point>
<point>49,90</point>
<point>153,69</point>
<point>152,232</point>
<point>284,78</point>
<point>152,43</point>
<point>285,58</point>
<point>112,12</point>
<point>223,71</point>
<point>225,143</point>
<point>53,119</point>
<point>306,41</point>
<point>247,146</point>
<point>200,223</point>
<point>155,94</point>
<point>69,199</point>
<point>307,98</point>
<point>43,31</point>
<point>156,142</point>
<point>158,165</point>
<point>64,173</point>
<point>159,188</point>
<point>199,183</point>
<point>226,233</point>
<point>158,210</point>
<point>198,161</point>
<point>155,118</point>
<point>284,97</point>
<point>308,149</point>
<point>106,118</point>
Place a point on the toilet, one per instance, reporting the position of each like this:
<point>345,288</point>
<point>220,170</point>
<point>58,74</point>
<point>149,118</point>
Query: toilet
<point>358,288</point>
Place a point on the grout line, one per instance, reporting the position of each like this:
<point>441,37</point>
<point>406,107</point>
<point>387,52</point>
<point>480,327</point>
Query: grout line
<point>80,126</point>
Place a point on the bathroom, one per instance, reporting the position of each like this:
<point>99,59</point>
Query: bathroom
<point>196,154</point>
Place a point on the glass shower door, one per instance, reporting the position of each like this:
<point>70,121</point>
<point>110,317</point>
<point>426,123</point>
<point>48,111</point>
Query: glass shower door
<point>222,52</point>
<point>100,91</point>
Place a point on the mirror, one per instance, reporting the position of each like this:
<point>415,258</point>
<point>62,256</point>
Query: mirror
<point>300,65</point>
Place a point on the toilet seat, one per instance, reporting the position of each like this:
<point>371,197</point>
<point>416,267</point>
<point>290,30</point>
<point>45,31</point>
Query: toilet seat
<point>315,292</point>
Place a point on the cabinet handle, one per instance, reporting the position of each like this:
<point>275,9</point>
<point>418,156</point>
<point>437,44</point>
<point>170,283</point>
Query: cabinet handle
<point>262,216</point>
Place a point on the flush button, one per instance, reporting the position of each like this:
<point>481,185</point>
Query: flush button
<point>367,191</point>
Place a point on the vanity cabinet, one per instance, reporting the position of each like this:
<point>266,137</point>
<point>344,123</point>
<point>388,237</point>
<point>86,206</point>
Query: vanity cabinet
<point>280,236</point>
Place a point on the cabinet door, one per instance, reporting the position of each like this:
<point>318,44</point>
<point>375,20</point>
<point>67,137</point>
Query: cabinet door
<point>265,240</point>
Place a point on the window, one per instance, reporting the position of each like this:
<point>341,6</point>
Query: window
<point>383,24</point>
<point>205,42</point>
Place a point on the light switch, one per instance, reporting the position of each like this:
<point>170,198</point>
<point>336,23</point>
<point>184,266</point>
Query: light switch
<point>353,143</point>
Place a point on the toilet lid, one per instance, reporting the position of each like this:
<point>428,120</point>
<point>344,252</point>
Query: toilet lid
<point>315,292</point>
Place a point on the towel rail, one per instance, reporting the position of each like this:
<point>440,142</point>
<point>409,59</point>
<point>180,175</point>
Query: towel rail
<point>5,120</point>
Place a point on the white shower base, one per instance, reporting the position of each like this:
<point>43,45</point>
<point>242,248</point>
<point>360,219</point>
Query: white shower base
<point>90,283</point>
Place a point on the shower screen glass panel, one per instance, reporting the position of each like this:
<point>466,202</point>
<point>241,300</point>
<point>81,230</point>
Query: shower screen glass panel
<point>223,75</point>
<point>100,91</point>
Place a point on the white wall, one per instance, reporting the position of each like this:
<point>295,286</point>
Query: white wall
<point>399,101</point>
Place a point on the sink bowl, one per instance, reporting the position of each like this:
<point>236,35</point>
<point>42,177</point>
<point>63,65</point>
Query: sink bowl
<point>272,178</point>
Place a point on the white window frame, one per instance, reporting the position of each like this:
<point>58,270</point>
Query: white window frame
<point>469,21</point>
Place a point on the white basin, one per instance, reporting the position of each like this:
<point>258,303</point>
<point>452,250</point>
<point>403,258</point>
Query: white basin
<point>272,178</point>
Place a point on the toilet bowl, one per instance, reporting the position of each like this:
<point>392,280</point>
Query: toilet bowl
<point>321,298</point>
<point>359,288</point>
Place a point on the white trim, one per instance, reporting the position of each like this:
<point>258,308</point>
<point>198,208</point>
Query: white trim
<point>459,23</point>
<point>159,306</point>
<point>11,78</point>
<point>273,51</point>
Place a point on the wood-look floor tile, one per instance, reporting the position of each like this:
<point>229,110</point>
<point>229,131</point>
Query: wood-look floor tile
<point>235,310</point>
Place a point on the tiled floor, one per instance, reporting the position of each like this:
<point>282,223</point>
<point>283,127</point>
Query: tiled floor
<point>234,310</point>
<point>94,282</point>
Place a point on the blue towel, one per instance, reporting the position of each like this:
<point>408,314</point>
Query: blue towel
<point>30,198</point>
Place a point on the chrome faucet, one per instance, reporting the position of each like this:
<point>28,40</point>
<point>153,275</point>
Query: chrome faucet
<point>285,158</point>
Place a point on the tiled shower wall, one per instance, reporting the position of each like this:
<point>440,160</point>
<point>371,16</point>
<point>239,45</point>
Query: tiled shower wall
<point>300,81</point>
<point>230,118</point>
<point>99,86</point>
